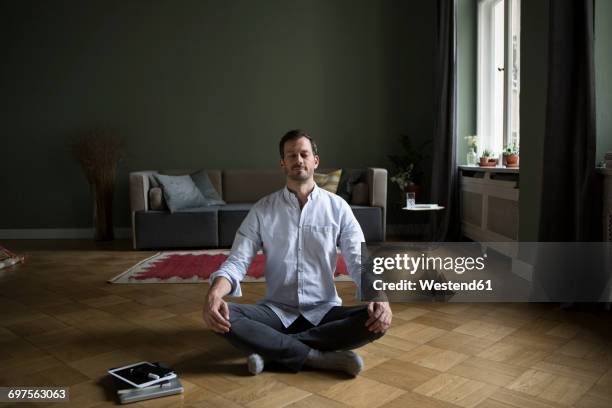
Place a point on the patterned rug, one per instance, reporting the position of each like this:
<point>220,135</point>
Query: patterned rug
<point>196,267</point>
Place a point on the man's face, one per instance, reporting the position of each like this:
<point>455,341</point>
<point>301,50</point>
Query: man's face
<point>299,162</point>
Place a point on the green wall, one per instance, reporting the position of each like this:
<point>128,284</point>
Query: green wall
<point>603,69</point>
<point>466,74</point>
<point>201,84</point>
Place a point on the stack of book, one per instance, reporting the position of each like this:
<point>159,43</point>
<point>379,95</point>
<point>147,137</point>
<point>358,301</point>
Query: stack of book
<point>608,160</point>
<point>143,381</point>
<point>7,258</point>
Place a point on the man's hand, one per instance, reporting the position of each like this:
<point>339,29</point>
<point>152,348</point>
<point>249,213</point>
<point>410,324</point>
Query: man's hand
<point>380,317</point>
<point>216,311</point>
<point>216,314</point>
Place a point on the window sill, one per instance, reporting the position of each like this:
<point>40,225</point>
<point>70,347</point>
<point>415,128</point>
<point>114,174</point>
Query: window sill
<point>604,170</point>
<point>496,169</point>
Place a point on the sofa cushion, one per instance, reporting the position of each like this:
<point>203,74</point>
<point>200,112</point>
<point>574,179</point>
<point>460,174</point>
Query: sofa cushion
<point>203,184</point>
<point>233,207</point>
<point>328,181</point>
<point>348,179</point>
<point>248,186</point>
<point>161,229</point>
<point>370,219</point>
<point>360,194</point>
<point>180,192</point>
<point>230,218</point>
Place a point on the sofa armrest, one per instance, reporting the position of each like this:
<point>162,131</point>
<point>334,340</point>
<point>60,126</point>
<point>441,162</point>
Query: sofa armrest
<point>139,190</point>
<point>139,196</point>
<point>377,183</point>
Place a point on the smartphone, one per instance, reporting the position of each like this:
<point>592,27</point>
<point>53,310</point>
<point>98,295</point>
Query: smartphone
<point>142,374</point>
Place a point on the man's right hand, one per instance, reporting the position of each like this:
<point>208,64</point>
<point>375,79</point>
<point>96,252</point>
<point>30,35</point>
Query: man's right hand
<point>216,314</point>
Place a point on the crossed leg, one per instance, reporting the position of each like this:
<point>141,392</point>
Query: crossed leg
<point>342,328</point>
<point>257,329</point>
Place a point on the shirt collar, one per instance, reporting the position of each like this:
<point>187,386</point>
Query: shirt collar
<point>288,194</point>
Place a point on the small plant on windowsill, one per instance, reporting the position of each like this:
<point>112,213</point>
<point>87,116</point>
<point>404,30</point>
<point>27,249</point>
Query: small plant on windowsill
<point>487,159</point>
<point>511,155</point>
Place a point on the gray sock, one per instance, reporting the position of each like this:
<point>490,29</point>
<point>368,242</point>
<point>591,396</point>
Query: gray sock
<point>347,361</point>
<point>255,363</point>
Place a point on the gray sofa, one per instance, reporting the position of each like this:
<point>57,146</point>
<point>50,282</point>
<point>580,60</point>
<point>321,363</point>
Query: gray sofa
<point>216,226</point>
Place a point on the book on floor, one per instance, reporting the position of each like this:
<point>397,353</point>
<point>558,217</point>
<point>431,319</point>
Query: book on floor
<point>130,387</point>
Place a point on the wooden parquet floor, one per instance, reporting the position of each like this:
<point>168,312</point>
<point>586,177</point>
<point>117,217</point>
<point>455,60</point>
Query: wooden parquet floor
<point>61,324</point>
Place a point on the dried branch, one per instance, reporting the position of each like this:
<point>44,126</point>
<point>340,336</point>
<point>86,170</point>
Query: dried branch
<point>98,151</point>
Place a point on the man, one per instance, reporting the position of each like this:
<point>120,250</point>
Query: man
<point>300,321</point>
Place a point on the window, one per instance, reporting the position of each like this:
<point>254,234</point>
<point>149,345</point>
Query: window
<point>498,74</point>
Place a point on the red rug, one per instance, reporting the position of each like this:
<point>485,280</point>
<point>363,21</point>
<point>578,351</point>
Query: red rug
<point>196,267</point>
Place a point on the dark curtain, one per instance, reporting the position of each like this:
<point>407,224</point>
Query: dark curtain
<point>444,186</point>
<point>568,205</point>
<point>570,209</point>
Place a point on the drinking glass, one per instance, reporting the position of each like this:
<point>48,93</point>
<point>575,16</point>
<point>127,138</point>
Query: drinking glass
<point>410,200</point>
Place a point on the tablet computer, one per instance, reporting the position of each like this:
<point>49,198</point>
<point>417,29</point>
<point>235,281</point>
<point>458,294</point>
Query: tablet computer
<point>142,374</point>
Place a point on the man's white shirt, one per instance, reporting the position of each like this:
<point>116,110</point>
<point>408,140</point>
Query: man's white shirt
<point>300,249</point>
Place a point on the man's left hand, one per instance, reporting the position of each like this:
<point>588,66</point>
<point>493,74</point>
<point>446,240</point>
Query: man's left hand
<point>380,317</point>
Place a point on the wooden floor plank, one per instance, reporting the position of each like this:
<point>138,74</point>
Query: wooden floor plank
<point>363,392</point>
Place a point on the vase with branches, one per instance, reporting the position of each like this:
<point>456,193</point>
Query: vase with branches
<point>472,156</point>
<point>99,152</point>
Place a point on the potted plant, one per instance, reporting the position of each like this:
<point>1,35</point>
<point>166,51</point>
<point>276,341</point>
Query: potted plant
<point>404,181</point>
<point>487,159</point>
<point>484,157</point>
<point>407,170</point>
<point>511,155</point>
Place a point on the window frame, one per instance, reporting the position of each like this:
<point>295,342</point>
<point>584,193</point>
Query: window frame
<point>485,78</point>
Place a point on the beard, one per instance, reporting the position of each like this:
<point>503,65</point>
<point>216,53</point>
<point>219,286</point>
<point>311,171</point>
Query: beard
<point>296,175</point>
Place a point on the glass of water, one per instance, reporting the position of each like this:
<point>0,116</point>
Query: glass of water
<point>410,200</point>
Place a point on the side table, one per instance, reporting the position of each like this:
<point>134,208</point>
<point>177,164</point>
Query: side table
<point>432,274</point>
<point>433,208</point>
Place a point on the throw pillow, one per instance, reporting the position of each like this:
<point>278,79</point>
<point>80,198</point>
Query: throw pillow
<point>156,199</point>
<point>153,181</point>
<point>349,178</point>
<point>202,182</point>
<point>180,192</point>
<point>360,194</point>
<point>328,181</point>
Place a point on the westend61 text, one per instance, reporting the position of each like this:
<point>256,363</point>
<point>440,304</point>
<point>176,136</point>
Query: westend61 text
<point>430,284</point>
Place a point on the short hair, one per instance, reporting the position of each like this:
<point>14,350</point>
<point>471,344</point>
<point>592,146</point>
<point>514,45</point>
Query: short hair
<point>294,135</point>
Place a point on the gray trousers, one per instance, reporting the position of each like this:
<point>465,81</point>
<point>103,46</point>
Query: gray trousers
<point>257,329</point>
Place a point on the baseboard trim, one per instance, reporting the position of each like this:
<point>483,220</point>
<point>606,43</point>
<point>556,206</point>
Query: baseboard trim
<point>59,233</point>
